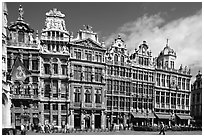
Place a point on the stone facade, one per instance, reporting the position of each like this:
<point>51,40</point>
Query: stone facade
<point>196,100</point>
<point>77,81</point>
<point>172,90</point>
<point>24,96</point>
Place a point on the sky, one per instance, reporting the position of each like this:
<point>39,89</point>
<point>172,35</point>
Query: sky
<point>154,22</point>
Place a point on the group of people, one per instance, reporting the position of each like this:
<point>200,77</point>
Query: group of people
<point>51,128</point>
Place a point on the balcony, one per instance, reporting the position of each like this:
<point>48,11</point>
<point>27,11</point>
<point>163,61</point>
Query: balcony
<point>22,96</point>
<point>98,105</point>
<point>88,105</point>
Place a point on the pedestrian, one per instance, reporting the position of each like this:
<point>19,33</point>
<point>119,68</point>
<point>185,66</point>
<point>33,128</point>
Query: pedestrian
<point>22,129</point>
<point>162,128</point>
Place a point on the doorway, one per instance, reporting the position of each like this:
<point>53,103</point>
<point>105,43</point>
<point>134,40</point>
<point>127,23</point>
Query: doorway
<point>97,121</point>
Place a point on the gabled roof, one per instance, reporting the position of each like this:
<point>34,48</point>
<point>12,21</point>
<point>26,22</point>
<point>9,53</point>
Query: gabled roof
<point>88,42</point>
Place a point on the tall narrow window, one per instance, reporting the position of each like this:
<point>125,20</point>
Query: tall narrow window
<point>34,64</point>
<point>122,102</point>
<point>163,80</point>
<point>77,72</point>
<point>158,79</point>
<point>98,96</point>
<point>47,68</point>
<point>63,89</point>
<point>47,89</point>
<point>64,70</point>
<point>98,74</point>
<point>122,60</point>
<point>26,63</point>
<point>88,73</point>
<point>88,96</point>
<point>55,89</point>
<point>77,53</point>
<point>55,68</point>
<point>183,83</point>
<point>88,55</point>
<point>77,94</point>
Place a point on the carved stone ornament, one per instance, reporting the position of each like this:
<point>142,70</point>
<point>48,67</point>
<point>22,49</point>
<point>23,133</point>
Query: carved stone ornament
<point>55,13</point>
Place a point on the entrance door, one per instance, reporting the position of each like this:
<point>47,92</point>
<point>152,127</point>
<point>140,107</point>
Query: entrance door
<point>77,121</point>
<point>97,121</point>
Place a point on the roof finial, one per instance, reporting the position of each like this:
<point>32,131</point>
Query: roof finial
<point>199,72</point>
<point>167,42</point>
<point>21,12</point>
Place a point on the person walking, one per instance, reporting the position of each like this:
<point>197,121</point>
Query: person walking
<point>22,129</point>
<point>162,129</point>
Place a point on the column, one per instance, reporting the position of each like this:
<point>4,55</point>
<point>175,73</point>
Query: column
<point>22,110</point>
<point>92,121</point>
<point>59,89</point>
<point>51,87</point>
<point>30,61</point>
<point>41,112</point>
<point>51,118</point>
<point>165,99</point>
<point>59,114</point>
<point>12,60</point>
<point>82,121</point>
<point>102,120</point>
<point>31,114</point>
<point>13,116</point>
<point>124,120</point>
<point>71,119</point>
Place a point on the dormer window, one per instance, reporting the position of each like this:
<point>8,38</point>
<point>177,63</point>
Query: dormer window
<point>21,36</point>
<point>172,64</point>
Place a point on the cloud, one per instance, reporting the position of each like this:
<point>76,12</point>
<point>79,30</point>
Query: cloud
<point>185,36</point>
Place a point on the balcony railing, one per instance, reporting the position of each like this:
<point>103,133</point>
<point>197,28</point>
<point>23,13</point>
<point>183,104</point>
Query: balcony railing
<point>88,105</point>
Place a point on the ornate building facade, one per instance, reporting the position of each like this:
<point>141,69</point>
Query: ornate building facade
<point>118,80</point>
<point>196,100</point>
<point>172,90</point>
<point>54,56</point>
<point>25,95</point>
<point>87,81</point>
<point>77,81</point>
<point>142,85</point>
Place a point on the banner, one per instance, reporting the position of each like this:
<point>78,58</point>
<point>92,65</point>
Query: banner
<point>19,72</point>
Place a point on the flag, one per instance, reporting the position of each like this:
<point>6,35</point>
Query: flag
<point>19,72</point>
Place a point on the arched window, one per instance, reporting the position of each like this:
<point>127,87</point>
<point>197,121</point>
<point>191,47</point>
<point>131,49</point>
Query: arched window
<point>87,96</point>
<point>20,36</point>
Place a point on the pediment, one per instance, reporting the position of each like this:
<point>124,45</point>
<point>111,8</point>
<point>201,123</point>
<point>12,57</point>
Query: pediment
<point>89,43</point>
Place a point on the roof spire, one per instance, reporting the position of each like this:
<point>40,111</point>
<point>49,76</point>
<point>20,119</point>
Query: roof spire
<point>21,12</point>
<point>167,42</point>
